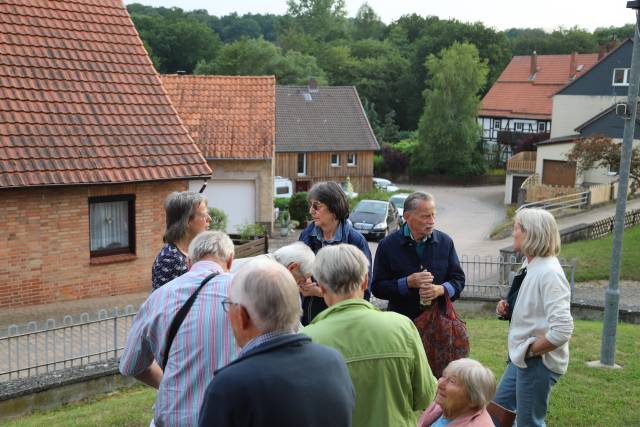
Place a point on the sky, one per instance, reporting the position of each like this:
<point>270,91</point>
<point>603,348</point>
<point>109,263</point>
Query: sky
<point>499,14</point>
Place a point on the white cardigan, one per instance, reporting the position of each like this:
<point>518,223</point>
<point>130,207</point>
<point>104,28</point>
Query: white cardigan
<point>542,309</point>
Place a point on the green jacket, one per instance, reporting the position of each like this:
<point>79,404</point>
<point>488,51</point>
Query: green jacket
<point>386,361</point>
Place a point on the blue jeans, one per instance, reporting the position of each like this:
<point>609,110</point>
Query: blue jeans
<point>527,391</point>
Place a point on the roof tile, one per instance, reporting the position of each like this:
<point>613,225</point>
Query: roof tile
<point>514,94</point>
<point>82,102</point>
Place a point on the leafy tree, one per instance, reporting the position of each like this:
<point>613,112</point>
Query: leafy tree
<point>601,151</point>
<point>372,116</point>
<point>367,24</point>
<point>324,20</point>
<point>448,132</point>
<point>255,57</point>
<point>604,34</point>
<point>390,130</point>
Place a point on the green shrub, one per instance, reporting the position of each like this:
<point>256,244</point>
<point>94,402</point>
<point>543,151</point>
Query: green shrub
<point>299,207</point>
<point>281,203</point>
<point>284,219</point>
<point>218,219</point>
<point>248,231</point>
<point>378,164</point>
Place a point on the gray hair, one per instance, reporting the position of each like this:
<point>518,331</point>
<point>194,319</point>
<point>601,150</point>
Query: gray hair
<point>269,294</point>
<point>340,268</point>
<point>180,208</point>
<point>542,235</point>
<point>477,379</point>
<point>211,243</point>
<point>411,202</point>
<point>299,253</point>
<point>333,196</point>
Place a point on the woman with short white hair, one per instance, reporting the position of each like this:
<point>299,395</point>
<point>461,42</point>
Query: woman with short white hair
<point>464,391</point>
<point>539,309</point>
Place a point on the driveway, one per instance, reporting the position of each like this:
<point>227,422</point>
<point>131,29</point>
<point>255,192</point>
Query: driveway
<point>467,214</point>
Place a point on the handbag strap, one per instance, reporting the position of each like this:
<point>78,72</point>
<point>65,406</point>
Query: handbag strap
<point>180,316</point>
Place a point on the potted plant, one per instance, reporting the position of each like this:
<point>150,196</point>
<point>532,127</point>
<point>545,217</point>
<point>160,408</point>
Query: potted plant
<point>284,222</point>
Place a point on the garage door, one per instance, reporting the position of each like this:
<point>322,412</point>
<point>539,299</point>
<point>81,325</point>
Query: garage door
<point>556,172</point>
<point>236,198</point>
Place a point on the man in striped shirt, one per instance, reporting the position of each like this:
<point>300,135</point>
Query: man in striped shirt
<point>203,344</point>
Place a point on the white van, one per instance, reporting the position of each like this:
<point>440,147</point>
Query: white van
<point>282,187</point>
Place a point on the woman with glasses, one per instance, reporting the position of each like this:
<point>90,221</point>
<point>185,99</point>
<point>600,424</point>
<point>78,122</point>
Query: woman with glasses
<point>329,210</point>
<point>187,215</point>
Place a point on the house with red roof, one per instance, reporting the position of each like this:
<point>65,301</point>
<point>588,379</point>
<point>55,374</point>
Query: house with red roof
<point>520,104</point>
<point>232,121</point>
<point>90,146</point>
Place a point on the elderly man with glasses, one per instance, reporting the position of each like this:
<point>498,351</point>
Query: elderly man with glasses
<point>203,342</point>
<point>280,378</point>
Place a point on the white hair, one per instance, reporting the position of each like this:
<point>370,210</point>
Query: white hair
<point>542,235</point>
<point>477,379</point>
<point>340,268</point>
<point>299,253</point>
<point>211,243</point>
<point>268,292</point>
<point>412,201</point>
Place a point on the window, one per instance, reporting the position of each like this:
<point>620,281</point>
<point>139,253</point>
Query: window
<point>542,126</point>
<point>621,77</point>
<point>302,164</point>
<point>335,159</point>
<point>112,225</point>
<point>351,159</point>
<point>613,170</point>
<point>496,124</point>
<point>519,126</point>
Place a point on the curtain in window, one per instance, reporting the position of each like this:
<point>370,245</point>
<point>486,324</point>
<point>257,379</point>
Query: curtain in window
<point>109,225</point>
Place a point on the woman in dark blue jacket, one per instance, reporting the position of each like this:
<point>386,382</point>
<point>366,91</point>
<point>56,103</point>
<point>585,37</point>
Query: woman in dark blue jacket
<point>329,210</point>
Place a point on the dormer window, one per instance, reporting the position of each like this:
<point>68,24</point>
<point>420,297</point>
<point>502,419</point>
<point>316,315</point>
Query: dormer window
<point>621,76</point>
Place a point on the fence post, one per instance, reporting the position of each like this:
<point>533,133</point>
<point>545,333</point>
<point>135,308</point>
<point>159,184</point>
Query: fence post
<point>115,333</point>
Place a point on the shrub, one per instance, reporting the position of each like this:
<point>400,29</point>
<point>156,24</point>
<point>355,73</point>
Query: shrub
<point>218,219</point>
<point>248,231</point>
<point>284,219</point>
<point>282,203</point>
<point>299,207</point>
<point>378,165</point>
<point>395,161</point>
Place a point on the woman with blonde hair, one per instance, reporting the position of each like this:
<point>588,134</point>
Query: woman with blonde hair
<point>538,307</point>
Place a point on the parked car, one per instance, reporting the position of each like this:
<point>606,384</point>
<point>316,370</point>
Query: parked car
<point>375,218</point>
<point>282,187</point>
<point>397,200</point>
<point>384,185</point>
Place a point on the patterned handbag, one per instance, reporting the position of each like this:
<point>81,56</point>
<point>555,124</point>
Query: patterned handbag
<point>444,335</point>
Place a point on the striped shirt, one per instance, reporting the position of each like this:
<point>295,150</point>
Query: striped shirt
<point>203,343</point>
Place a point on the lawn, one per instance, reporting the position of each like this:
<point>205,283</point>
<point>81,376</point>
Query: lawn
<point>583,397</point>
<point>594,256</point>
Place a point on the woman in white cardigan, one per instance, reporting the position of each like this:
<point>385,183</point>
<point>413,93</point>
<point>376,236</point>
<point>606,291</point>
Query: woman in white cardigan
<point>539,308</point>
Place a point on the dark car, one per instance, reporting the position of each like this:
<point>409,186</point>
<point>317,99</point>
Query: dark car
<point>375,218</point>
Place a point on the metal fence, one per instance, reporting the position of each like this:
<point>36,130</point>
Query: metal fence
<point>34,351</point>
<point>490,277</point>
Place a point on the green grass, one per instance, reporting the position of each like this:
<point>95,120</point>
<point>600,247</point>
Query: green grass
<point>593,257</point>
<point>583,397</point>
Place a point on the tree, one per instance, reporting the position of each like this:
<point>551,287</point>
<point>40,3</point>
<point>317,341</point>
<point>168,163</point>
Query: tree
<point>448,132</point>
<point>324,20</point>
<point>367,24</point>
<point>601,151</point>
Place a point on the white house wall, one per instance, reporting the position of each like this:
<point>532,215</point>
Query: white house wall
<point>570,111</point>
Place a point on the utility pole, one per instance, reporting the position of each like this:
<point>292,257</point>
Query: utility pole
<point>612,296</point>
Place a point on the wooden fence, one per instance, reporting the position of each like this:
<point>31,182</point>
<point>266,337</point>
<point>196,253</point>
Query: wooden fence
<point>605,226</point>
<point>249,248</point>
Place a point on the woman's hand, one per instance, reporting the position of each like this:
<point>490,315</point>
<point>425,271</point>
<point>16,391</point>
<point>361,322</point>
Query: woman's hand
<point>310,290</point>
<point>502,309</point>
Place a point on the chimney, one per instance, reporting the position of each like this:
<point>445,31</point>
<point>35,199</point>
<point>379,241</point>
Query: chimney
<point>613,43</point>
<point>602,51</point>
<point>534,65</point>
<point>312,85</point>
<point>572,65</point>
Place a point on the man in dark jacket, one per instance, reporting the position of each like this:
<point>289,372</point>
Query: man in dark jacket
<point>280,378</point>
<point>416,264</point>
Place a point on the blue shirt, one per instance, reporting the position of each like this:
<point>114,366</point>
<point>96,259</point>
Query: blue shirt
<point>169,264</point>
<point>337,237</point>
<point>441,422</point>
<point>203,344</point>
<point>261,339</point>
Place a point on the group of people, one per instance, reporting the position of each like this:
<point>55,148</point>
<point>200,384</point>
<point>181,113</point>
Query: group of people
<point>289,338</point>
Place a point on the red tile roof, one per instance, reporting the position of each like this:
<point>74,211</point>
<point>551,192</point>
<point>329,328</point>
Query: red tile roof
<point>228,117</point>
<point>514,94</point>
<point>81,102</point>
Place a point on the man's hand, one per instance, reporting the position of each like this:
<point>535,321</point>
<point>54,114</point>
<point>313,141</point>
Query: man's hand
<point>502,307</point>
<point>430,292</point>
<point>309,289</point>
<point>420,279</point>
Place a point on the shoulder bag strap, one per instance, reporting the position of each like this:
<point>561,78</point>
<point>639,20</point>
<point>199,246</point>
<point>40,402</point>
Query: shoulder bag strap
<point>180,316</point>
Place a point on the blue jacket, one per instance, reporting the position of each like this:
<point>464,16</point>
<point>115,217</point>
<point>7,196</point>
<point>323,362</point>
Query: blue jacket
<point>311,306</point>
<point>288,381</point>
<point>396,259</point>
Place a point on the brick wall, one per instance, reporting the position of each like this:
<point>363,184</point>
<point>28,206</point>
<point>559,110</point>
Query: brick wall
<point>44,243</point>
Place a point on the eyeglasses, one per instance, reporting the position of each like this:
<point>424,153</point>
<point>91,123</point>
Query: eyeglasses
<point>316,206</point>
<point>226,303</point>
